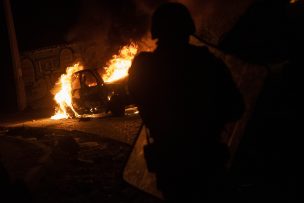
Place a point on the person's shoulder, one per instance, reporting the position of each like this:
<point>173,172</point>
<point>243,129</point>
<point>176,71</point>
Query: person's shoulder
<point>143,56</point>
<point>202,52</point>
<point>200,49</point>
<point>142,59</point>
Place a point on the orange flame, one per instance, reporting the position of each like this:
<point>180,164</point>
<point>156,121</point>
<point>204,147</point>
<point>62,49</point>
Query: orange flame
<point>63,97</point>
<point>117,68</point>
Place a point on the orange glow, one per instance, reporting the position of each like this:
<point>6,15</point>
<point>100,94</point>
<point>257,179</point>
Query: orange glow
<point>63,95</point>
<point>117,68</point>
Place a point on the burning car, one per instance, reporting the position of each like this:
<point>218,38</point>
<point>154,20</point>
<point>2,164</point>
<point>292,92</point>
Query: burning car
<point>90,94</point>
<point>86,91</point>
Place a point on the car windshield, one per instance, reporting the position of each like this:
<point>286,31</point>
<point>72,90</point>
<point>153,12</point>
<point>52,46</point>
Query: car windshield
<point>89,79</point>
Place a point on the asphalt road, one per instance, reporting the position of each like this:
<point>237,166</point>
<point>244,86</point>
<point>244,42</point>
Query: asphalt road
<point>72,160</point>
<point>82,160</point>
<point>122,129</point>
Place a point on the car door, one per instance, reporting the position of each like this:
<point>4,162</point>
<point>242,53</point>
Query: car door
<point>88,92</point>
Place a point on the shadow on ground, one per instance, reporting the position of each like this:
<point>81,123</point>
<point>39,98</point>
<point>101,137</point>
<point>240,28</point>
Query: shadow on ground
<point>67,166</point>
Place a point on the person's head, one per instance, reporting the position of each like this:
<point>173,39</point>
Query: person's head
<point>172,21</point>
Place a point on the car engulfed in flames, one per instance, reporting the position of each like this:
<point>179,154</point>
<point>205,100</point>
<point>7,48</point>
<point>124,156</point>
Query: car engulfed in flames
<point>90,94</point>
<point>80,91</point>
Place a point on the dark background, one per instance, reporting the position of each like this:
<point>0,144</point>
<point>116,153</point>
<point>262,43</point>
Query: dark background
<point>270,32</point>
<point>42,23</point>
<point>50,22</point>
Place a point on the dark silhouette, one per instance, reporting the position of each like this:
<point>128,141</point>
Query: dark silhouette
<point>185,96</point>
<point>266,164</point>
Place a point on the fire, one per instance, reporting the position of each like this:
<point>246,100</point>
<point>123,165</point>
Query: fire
<point>63,97</point>
<point>117,68</point>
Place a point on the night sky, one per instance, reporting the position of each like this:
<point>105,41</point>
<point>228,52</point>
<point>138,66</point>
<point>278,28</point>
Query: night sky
<point>49,22</point>
<point>115,22</point>
<point>42,23</point>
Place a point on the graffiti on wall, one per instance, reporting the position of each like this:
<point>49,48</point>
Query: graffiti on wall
<point>41,69</point>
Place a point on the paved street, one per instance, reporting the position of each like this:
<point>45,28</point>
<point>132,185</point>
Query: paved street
<point>72,160</point>
<point>82,160</point>
<point>121,129</point>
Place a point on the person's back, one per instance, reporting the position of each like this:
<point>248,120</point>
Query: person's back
<point>185,96</point>
<point>185,87</point>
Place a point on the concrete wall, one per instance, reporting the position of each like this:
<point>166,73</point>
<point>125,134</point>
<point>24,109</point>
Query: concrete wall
<point>41,69</point>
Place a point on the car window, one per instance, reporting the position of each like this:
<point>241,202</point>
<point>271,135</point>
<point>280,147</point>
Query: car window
<point>89,79</point>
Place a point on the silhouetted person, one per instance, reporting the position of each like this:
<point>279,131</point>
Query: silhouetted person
<point>185,96</point>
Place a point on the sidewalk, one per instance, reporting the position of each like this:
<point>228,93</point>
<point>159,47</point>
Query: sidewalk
<point>26,115</point>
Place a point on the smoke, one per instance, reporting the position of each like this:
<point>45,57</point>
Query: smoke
<point>213,18</point>
<point>114,22</point>
<point>199,9</point>
<point>103,27</point>
<point>109,25</point>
